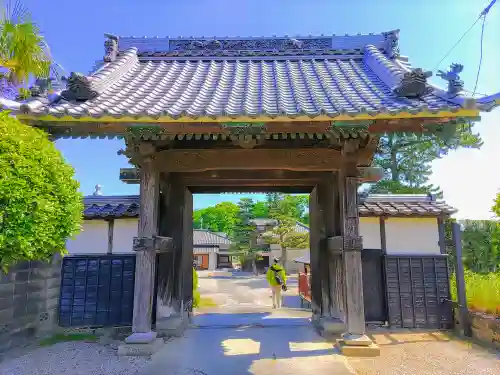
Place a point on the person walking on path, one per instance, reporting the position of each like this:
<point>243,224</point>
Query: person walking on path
<point>276,277</point>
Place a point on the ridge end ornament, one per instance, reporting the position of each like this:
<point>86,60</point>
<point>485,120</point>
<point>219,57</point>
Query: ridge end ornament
<point>110,48</point>
<point>79,88</point>
<point>455,84</point>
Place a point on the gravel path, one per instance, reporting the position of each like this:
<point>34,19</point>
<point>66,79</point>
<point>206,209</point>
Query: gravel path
<point>73,358</point>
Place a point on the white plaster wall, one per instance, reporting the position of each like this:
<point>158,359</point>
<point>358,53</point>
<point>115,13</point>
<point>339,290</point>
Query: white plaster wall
<point>93,239</point>
<point>369,229</point>
<point>123,234</point>
<point>412,236</point>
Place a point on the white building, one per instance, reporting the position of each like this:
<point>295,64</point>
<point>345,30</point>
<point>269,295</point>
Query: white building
<point>394,224</point>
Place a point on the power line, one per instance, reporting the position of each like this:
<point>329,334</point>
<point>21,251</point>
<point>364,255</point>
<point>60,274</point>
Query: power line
<point>456,44</point>
<point>482,16</point>
<point>480,53</point>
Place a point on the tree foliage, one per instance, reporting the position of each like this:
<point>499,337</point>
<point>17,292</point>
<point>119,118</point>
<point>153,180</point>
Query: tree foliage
<point>244,232</point>
<point>406,158</point>
<point>40,205</point>
<point>481,252</point>
<point>496,206</point>
<point>23,51</point>
<point>219,218</point>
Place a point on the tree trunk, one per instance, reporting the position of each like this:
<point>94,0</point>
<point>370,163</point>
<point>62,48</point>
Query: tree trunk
<point>394,160</point>
<point>284,258</point>
<point>254,267</point>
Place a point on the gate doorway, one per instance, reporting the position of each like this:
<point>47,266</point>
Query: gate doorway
<point>374,292</point>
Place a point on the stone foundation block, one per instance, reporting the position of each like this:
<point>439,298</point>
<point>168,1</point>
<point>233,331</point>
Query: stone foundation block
<point>328,326</point>
<point>356,340</point>
<point>174,325</point>
<point>140,350</point>
<point>371,350</point>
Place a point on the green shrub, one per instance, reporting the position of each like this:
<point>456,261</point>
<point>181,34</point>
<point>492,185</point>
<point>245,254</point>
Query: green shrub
<point>483,291</point>
<point>40,205</point>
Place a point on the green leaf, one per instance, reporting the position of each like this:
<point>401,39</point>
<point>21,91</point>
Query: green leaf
<point>40,203</point>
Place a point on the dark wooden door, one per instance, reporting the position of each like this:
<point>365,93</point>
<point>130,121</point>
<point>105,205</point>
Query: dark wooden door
<point>374,286</point>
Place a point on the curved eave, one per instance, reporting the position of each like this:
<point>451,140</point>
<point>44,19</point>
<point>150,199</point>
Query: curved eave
<point>452,113</point>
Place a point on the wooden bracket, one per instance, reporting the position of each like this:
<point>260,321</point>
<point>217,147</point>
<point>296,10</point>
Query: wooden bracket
<point>370,174</point>
<point>339,244</point>
<point>156,243</point>
<point>130,175</point>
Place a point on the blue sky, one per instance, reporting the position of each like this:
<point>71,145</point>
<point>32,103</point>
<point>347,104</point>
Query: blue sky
<point>469,178</point>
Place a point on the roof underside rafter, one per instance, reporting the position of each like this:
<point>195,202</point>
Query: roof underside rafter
<point>230,80</point>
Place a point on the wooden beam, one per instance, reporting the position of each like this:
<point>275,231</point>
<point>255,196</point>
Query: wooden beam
<point>242,159</point>
<point>254,177</point>
<point>157,244</point>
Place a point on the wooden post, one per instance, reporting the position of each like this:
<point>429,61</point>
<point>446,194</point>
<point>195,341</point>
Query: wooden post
<point>383,235</point>
<point>355,318</point>
<point>146,256</point>
<point>460,280</point>
<point>442,239</point>
<point>111,226</point>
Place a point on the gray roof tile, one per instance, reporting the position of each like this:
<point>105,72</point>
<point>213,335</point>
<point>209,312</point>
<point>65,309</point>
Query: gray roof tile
<point>357,74</point>
<point>101,207</point>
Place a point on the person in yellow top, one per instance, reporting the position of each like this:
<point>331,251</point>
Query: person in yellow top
<point>276,277</point>
<point>196,294</point>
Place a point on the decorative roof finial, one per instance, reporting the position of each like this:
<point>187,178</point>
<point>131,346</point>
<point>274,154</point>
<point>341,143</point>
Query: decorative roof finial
<point>110,48</point>
<point>97,191</point>
<point>79,88</point>
<point>391,44</point>
<point>40,87</point>
<point>414,84</point>
<point>455,84</point>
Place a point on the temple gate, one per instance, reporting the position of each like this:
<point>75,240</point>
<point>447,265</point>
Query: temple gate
<point>257,114</point>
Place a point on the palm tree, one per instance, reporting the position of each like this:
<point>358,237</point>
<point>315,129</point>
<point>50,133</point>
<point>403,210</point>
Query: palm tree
<point>23,51</point>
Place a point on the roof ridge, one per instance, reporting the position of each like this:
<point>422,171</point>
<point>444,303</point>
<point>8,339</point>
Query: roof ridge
<point>284,36</point>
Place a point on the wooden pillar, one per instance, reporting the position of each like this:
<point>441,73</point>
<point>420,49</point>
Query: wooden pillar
<point>315,251</point>
<point>111,227</point>
<point>465,326</point>
<point>442,237</point>
<point>333,228</point>
<point>383,235</point>
<point>145,255</point>
<point>355,317</point>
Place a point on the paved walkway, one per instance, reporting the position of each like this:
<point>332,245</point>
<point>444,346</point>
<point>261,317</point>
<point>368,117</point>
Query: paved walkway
<point>243,335</point>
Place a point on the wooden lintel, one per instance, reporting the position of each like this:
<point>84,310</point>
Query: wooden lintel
<point>323,159</point>
<point>156,243</point>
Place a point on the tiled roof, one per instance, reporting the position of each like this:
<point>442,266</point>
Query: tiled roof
<point>254,77</point>
<point>202,237</point>
<point>101,207</point>
<point>403,205</point>
<point>119,206</point>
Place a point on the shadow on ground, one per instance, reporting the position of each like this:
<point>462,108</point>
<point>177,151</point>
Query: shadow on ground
<point>241,344</point>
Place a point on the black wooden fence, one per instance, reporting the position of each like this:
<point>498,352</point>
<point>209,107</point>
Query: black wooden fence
<point>97,290</point>
<point>418,291</point>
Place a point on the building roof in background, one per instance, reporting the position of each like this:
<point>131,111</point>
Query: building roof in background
<point>203,237</point>
<point>224,78</point>
<point>396,205</point>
